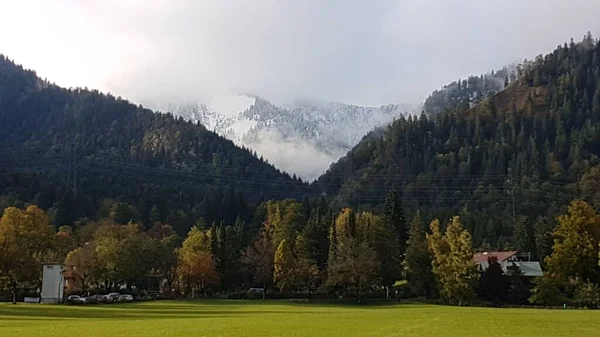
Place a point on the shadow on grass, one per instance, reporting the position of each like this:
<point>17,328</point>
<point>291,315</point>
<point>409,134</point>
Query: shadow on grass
<point>187,309</point>
<point>353,304</point>
<point>126,312</point>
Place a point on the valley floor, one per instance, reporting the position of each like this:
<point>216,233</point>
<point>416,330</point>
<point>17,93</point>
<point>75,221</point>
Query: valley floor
<point>265,319</point>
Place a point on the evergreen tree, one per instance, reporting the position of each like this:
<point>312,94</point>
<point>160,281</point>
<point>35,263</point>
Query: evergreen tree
<point>418,260</point>
<point>381,236</point>
<point>155,215</point>
<point>543,238</point>
<point>315,242</point>
<point>306,270</point>
<point>394,215</point>
<point>523,237</point>
<point>492,283</point>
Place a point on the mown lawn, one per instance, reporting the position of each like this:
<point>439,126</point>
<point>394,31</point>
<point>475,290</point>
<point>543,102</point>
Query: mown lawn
<point>265,319</point>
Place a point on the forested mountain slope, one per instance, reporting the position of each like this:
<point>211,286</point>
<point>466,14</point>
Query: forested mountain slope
<point>68,150</point>
<point>524,151</point>
<point>470,91</point>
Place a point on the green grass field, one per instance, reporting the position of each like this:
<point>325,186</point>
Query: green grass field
<point>265,319</point>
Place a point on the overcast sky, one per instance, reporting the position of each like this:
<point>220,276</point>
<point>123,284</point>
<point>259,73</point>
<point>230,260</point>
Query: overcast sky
<point>368,52</point>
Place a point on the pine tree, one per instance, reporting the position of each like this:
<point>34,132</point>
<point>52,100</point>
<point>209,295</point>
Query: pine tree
<point>315,242</point>
<point>544,240</point>
<point>306,207</point>
<point>523,236</point>
<point>381,236</point>
<point>418,260</point>
<point>394,214</point>
<point>492,284</point>
<point>155,215</point>
<point>306,271</point>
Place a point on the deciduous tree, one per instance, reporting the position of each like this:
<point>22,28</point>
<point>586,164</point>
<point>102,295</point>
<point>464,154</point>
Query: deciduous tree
<point>453,265</point>
<point>26,239</point>
<point>283,264</point>
<point>259,256</point>
<point>576,244</point>
<point>196,267</point>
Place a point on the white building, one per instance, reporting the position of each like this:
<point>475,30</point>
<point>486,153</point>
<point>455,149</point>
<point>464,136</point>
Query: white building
<point>53,283</point>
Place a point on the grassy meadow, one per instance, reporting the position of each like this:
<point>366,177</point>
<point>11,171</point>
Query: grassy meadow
<point>265,319</point>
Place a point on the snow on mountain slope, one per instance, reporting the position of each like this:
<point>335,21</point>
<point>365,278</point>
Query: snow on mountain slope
<point>302,138</point>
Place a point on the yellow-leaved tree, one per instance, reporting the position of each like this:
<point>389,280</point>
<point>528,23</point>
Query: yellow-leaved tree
<point>453,265</point>
<point>576,242</point>
<point>283,264</point>
<point>26,240</point>
<point>196,267</point>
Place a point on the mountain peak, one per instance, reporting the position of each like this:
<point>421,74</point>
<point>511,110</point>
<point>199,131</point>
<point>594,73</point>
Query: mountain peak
<point>303,137</point>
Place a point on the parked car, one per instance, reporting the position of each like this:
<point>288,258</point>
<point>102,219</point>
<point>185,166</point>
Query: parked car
<point>154,296</point>
<point>114,297</point>
<point>103,298</point>
<point>125,298</point>
<point>76,299</point>
<point>90,300</point>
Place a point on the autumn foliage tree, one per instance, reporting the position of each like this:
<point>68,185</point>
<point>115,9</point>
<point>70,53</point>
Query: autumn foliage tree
<point>284,266</point>
<point>196,267</point>
<point>353,263</point>
<point>26,239</point>
<point>81,268</point>
<point>125,253</point>
<point>576,244</point>
<point>453,265</point>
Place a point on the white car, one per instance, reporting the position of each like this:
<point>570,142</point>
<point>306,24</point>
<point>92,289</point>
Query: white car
<point>76,299</point>
<point>114,296</point>
<point>125,298</point>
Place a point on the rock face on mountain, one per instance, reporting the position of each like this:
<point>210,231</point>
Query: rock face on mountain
<point>302,138</point>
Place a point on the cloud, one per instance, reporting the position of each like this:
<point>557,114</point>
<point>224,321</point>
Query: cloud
<point>293,155</point>
<point>353,51</point>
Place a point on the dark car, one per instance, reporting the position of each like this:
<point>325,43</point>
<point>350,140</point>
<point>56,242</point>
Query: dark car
<point>100,298</point>
<point>91,300</point>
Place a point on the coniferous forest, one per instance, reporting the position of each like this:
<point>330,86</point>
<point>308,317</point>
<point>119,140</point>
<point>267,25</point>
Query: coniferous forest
<point>122,194</point>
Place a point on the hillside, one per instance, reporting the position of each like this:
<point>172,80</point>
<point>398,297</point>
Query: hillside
<point>293,135</point>
<point>470,91</point>
<point>526,151</point>
<point>55,142</point>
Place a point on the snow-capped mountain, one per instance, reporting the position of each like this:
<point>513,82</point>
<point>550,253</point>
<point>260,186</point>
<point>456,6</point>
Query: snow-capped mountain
<point>302,138</point>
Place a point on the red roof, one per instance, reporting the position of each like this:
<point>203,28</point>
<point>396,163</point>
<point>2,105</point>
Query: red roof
<point>501,256</point>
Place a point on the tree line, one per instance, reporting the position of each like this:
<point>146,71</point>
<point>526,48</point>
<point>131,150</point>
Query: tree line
<point>301,249</point>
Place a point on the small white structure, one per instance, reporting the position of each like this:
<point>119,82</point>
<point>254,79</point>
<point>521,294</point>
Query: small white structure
<point>53,283</point>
